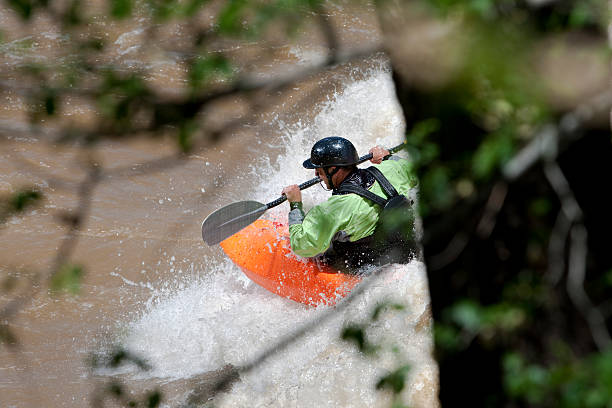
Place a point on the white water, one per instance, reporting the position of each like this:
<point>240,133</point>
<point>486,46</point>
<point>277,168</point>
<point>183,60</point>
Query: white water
<point>219,317</point>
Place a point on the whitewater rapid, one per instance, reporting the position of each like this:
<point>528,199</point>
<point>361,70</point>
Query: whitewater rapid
<point>214,315</point>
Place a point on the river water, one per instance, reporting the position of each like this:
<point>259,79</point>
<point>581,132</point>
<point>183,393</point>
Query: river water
<point>152,285</point>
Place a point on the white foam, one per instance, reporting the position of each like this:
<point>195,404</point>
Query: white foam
<point>366,112</point>
<point>129,41</point>
<point>222,318</point>
<point>308,57</point>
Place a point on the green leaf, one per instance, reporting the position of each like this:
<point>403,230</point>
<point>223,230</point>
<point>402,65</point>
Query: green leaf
<point>491,153</point>
<point>120,97</point>
<point>164,9</point>
<point>437,188</point>
<point>193,6</point>
<point>467,314</point>
<point>231,18</point>
<point>581,14</point>
<point>447,337</point>
<point>394,381</point>
<point>483,8</point>
<point>421,130</point>
<point>93,44</point>
<point>356,334</point>
<point>532,382</point>
<point>23,8</point>
<point>540,207</point>
<point>120,355</point>
<point>73,16</point>
<point>7,337</point>
<point>204,69</point>
<point>186,131</point>
<point>121,8</point>
<point>23,199</point>
<point>115,389</point>
<point>68,279</point>
<point>503,316</point>
<point>50,102</point>
<point>154,399</point>
<point>381,307</point>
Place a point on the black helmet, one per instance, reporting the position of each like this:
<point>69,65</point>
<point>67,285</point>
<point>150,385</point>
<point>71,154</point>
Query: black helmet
<point>332,151</point>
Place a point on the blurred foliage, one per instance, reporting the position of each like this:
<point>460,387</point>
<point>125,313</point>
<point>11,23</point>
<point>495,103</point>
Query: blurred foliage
<point>495,310</point>
<point>549,15</point>
<point>7,337</point>
<point>498,299</point>
<point>120,98</point>
<point>121,8</point>
<point>382,307</point>
<point>467,320</point>
<point>356,333</point>
<point>496,98</point>
<point>115,358</point>
<point>394,381</point>
<point>23,199</point>
<point>567,383</point>
<point>205,69</point>
<point>25,8</point>
<point>18,202</point>
<point>67,279</point>
<point>249,18</point>
<point>166,9</point>
<point>114,388</point>
<point>126,103</point>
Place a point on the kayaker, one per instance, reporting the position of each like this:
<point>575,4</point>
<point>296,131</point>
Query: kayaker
<point>346,229</point>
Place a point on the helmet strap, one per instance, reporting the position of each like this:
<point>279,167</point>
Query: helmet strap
<point>329,175</point>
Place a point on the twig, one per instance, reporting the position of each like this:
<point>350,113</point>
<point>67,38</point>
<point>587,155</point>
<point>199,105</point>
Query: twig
<point>546,143</point>
<point>452,251</point>
<point>328,33</point>
<point>575,288</point>
<point>556,248</point>
<point>66,248</point>
<point>484,228</point>
<point>577,256</point>
<point>492,208</point>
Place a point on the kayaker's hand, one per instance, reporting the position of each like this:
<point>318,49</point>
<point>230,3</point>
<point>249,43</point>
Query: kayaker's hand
<point>293,193</point>
<point>378,153</point>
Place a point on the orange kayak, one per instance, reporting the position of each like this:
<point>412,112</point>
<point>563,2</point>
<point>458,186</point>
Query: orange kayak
<point>263,252</point>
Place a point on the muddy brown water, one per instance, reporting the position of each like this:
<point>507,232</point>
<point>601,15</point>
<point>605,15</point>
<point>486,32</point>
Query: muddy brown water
<point>141,245</point>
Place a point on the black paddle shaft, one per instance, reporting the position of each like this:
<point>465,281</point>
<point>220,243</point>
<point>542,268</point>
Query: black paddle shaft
<point>316,180</point>
<point>302,186</point>
<point>230,219</point>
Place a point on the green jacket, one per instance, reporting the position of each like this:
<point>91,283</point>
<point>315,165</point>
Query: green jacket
<point>343,217</point>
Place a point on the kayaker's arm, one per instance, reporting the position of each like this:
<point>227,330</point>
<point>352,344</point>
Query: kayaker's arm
<point>296,215</point>
<point>312,234</point>
<point>294,196</point>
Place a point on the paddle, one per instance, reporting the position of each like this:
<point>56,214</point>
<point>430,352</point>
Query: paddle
<point>230,219</point>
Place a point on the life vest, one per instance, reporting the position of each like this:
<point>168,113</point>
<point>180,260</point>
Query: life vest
<point>392,240</point>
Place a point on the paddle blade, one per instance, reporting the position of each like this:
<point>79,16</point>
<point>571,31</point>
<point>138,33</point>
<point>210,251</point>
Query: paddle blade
<point>230,219</point>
